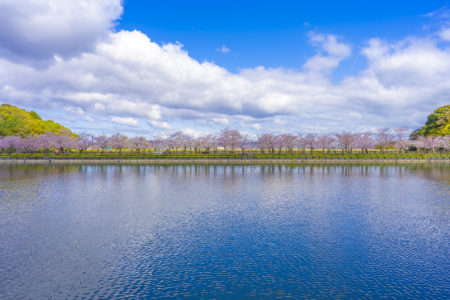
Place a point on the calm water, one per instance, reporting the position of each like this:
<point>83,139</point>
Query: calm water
<point>224,231</point>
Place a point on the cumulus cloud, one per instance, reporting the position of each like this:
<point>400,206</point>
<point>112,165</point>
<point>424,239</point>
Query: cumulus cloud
<point>40,29</point>
<point>412,63</point>
<point>125,121</point>
<point>160,125</point>
<point>335,53</point>
<point>125,77</point>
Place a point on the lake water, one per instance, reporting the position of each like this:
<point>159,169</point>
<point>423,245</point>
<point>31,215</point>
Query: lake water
<point>109,231</point>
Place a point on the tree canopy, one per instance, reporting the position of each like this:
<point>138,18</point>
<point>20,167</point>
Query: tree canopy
<point>438,123</point>
<point>18,122</point>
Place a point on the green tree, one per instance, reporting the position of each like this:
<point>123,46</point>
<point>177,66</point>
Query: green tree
<point>438,124</point>
<point>18,122</point>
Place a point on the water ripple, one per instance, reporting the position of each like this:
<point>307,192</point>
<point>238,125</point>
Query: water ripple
<point>224,232</point>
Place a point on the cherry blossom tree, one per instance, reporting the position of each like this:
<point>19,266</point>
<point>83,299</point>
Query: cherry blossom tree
<point>346,140</point>
<point>229,138</point>
<point>431,142</point>
<point>268,141</point>
<point>235,139</point>
<point>46,141</point>
<point>301,142</point>
<point>119,141</point>
<point>84,142</point>
<point>261,143</point>
<point>401,133</point>
<point>384,138</point>
<point>196,144</point>
<point>325,141</point>
<point>158,142</point>
<point>208,142</point>
<point>139,144</point>
<point>30,144</point>
<point>243,142</point>
<point>446,142</point>
<point>10,143</point>
<point>178,140</point>
<point>101,142</point>
<point>364,141</point>
<point>310,141</point>
<point>63,142</point>
<point>171,141</point>
<point>404,144</point>
<point>21,145</point>
<point>288,141</point>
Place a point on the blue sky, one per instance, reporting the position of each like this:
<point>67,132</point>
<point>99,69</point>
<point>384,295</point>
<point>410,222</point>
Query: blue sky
<point>155,67</point>
<point>273,33</point>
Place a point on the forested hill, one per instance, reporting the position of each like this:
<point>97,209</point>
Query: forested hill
<point>438,123</point>
<point>19,122</point>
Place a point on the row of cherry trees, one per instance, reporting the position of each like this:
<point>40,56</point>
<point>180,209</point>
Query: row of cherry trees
<point>229,140</point>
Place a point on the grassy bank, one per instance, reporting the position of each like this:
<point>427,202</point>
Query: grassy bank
<point>216,161</point>
<point>328,156</point>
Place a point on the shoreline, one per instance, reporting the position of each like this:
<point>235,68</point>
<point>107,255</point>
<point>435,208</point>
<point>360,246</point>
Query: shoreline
<point>213,161</point>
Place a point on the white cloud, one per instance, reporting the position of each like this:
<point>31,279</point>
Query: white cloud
<point>221,121</point>
<point>330,44</point>
<point>125,121</point>
<point>256,126</point>
<point>74,110</point>
<point>445,34</point>
<point>410,65</point>
<point>223,49</point>
<point>335,51</point>
<point>126,78</point>
<point>43,28</point>
<point>192,132</point>
<point>160,125</point>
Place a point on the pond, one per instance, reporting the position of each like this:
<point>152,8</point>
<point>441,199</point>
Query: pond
<point>212,231</point>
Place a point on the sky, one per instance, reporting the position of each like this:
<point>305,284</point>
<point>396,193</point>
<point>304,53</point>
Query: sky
<point>155,67</point>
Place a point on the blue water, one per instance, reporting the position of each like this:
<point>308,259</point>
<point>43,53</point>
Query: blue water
<point>89,231</point>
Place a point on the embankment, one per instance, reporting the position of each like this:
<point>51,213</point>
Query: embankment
<point>213,161</point>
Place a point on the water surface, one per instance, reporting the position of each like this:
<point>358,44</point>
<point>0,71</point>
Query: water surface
<point>267,231</point>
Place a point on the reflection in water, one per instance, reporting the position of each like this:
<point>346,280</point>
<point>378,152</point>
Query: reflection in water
<point>212,231</point>
<point>17,172</point>
<point>436,171</point>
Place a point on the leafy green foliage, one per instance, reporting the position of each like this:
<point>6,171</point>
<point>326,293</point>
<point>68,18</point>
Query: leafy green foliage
<point>18,122</point>
<point>438,123</point>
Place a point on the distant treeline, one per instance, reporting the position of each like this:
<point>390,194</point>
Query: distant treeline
<point>228,140</point>
<point>25,132</point>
